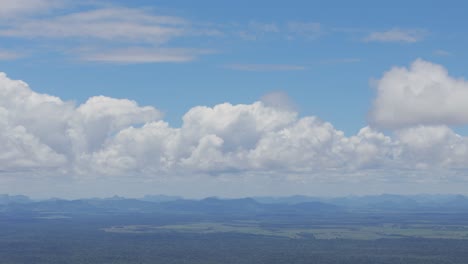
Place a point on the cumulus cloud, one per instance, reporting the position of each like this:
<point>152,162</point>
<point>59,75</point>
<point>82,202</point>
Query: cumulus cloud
<point>423,94</point>
<point>22,151</point>
<point>434,146</point>
<point>108,137</point>
<point>42,130</point>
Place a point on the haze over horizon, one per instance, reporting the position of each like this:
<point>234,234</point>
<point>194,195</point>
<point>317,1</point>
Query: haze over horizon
<point>110,98</point>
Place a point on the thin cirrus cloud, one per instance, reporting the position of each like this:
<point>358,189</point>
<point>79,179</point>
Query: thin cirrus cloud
<point>264,67</point>
<point>107,137</point>
<point>143,55</point>
<point>119,34</point>
<point>442,53</point>
<point>263,27</point>
<point>11,9</point>
<point>397,35</point>
<point>9,55</point>
<point>128,35</point>
<point>115,23</point>
<point>291,30</point>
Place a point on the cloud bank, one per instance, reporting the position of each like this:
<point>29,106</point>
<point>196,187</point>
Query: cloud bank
<point>105,137</point>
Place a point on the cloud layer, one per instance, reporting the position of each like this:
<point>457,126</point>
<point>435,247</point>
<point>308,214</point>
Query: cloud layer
<point>101,31</point>
<point>107,137</point>
<point>12,8</point>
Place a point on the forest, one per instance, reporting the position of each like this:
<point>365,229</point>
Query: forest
<point>383,229</point>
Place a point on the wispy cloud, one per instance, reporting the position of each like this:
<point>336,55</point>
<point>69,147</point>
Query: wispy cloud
<point>263,27</point>
<point>117,34</point>
<point>9,55</point>
<point>397,35</point>
<point>122,24</point>
<point>120,34</point>
<point>265,67</point>
<point>255,30</point>
<point>442,53</point>
<point>13,8</point>
<point>142,55</point>
<point>309,30</point>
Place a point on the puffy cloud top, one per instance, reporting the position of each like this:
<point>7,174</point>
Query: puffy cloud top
<point>423,94</point>
<point>43,131</point>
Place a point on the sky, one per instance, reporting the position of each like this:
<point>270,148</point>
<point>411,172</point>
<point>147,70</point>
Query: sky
<point>232,98</point>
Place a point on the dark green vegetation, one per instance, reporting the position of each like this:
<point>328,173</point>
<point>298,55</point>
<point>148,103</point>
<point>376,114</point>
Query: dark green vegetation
<point>379,229</point>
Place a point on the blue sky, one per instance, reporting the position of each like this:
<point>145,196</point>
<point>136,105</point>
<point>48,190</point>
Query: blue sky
<point>334,61</point>
<point>335,64</point>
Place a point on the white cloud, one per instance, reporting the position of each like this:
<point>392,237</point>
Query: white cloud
<point>397,35</point>
<point>44,129</point>
<point>428,147</point>
<point>109,33</point>
<point>142,55</point>
<point>13,8</point>
<point>100,117</point>
<point>114,23</point>
<point>107,137</point>
<point>423,94</point>
<point>22,151</point>
<point>106,32</point>
<point>25,139</point>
